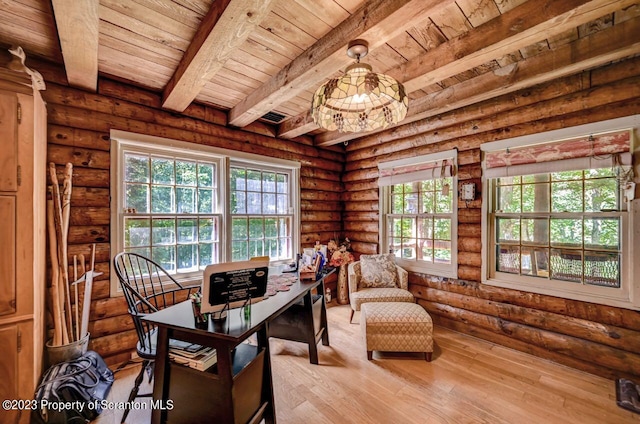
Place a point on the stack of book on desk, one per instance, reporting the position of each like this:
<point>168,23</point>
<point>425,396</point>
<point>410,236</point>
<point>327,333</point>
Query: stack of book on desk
<point>192,355</point>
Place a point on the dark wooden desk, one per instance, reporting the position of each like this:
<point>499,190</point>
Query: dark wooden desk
<point>297,324</point>
<point>238,389</point>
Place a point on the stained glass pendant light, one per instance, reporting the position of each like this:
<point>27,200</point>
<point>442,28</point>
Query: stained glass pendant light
<point>359,100</point>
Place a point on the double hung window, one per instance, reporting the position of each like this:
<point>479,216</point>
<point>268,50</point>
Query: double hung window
<point>261,213</point>
<point>187,206</point>
<point>419,217</point>
<point>558,218</point>
<point>171,209</point>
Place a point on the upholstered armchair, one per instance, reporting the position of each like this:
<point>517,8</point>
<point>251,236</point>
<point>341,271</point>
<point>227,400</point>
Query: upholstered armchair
<point>377,278</point>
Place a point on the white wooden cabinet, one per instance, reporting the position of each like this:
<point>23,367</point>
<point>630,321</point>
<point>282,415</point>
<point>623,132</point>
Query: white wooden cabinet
<point>23,146</point>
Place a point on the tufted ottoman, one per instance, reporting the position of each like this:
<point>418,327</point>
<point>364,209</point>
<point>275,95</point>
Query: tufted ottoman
<point>396,327</point>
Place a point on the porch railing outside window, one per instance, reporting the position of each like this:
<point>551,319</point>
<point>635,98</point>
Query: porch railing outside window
<point>564,226</point>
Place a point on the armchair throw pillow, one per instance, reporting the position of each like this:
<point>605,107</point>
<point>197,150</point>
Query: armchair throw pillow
<point>378,270</point>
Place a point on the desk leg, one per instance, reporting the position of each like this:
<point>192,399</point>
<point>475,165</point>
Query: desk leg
<point>161,368</point>
<point>310,330</point>
<point>267,380</point>
<point>323,318</point>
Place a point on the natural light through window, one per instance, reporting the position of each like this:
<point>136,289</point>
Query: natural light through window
<point>559,213</point>
<point>169,211</point>
<point>565,226</point>
<point>260,213</point>
<point>186,206</point>
<point>420,220</point>
<point>418,199</point>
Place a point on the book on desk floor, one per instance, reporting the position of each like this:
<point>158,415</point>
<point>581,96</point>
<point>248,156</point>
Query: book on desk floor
<point>194,356</point>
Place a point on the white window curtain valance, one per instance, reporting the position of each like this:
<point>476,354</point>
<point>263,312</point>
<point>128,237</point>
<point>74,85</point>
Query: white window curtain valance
<point>590,151</point>
<point>429,167</point>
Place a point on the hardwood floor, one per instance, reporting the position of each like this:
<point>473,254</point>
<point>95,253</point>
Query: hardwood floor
<point>468,381</point>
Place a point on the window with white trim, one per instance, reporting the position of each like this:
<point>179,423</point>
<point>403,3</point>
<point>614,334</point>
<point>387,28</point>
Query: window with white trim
<point>419,214</point>
<point>558,216</point>
<point>261,216</point>
<point>187,206</point>
<point>171,210</point>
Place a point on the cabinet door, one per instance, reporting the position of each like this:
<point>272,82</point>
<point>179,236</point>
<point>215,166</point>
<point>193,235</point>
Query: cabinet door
<point>9,138</point>
<point>9,369</point>
<point>8,256</point>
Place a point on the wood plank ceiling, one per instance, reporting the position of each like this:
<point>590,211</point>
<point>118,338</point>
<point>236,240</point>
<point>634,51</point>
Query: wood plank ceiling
<point>250,57</point>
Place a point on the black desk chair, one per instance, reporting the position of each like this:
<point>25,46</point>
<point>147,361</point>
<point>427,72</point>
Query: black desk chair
<point>147,288</point>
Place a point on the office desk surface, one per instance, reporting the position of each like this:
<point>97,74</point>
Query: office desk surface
<point>228,395</point>
<point>235,327</point>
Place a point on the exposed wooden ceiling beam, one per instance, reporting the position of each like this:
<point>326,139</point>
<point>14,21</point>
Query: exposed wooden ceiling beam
<point>226,26</point>
<point>615,43</point>
<point>376,21</point>
<point>499,37</point>
<point>296,126</point>
<point>77,23</point>
<point>515,29</point>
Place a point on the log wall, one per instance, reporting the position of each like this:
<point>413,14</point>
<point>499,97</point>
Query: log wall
<point>340,196</point>
<point>78,132</point>
<point>598,339</point>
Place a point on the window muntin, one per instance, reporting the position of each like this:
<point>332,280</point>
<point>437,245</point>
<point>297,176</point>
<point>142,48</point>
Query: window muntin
<point>170,211</point>
<point>563,226</point>
<point>203,227</point>
<point>419,225</point>
<point>260,211</point>
<point>593,149</point>
<point>418,219</point>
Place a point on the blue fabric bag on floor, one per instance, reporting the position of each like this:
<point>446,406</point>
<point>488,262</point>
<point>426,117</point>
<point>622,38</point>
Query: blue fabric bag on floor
<point>81,384</point>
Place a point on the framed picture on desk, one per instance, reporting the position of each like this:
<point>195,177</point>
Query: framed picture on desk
<point>233,284</point>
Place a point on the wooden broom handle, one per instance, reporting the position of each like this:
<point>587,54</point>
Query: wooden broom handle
<point>55,292</point>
